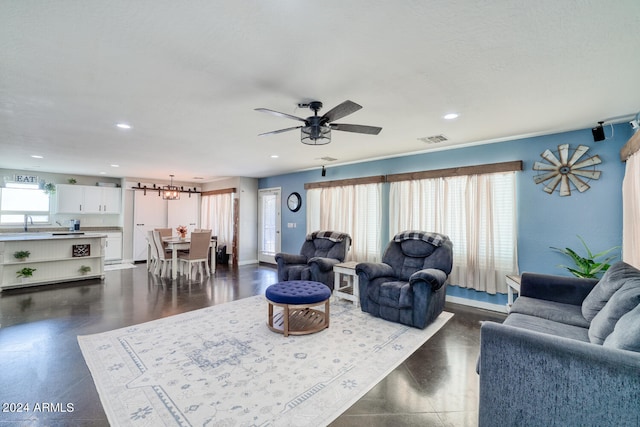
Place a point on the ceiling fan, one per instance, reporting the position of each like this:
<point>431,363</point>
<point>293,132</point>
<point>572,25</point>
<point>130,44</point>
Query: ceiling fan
<point>317,129</point>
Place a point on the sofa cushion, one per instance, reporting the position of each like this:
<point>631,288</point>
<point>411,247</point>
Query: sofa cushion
<point>614,278</point>
<point>547,326</point>
<point>623,301</point>
<point>564,313</point>
<point>626,334</point>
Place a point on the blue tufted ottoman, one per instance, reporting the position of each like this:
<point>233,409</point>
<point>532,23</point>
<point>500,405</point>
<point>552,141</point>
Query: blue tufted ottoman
<point>296,297</point>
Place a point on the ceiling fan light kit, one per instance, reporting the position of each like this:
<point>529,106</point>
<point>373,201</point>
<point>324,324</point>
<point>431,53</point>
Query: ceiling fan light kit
<point>317,129</point>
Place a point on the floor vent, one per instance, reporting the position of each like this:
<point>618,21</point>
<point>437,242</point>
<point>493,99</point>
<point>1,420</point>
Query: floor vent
<point>435,139</point>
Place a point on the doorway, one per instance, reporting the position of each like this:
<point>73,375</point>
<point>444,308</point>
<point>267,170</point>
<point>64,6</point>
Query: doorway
<point>268,224</point>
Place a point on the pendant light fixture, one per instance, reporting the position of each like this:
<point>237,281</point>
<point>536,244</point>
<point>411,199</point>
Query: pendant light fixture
<point>170,192</point>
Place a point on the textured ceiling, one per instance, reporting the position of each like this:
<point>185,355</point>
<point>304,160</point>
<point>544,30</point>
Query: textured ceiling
<point>188,75</point>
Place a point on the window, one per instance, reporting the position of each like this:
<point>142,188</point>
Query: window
<point>352,209</point>
<point>19,199</point>
<point>477,212</point>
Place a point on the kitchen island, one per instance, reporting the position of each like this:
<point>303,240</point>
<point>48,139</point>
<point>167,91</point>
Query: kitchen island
<point>53,258</point>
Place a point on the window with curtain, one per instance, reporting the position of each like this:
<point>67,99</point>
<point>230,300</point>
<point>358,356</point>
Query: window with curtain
<point>631,211</point>
<point>477,212</point>
<point>352,209</point>
<point>217,214</point>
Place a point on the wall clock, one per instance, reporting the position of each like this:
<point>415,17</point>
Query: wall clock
<point>566,169</point>
<point>294,202</point>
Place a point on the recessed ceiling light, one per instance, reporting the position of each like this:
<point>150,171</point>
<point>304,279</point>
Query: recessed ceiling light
<point>274,156</point>
<point>35,156</point>
<point>115,166</point>
<point>451,116</point>
<point>123,126</point>
<point>103,173</point>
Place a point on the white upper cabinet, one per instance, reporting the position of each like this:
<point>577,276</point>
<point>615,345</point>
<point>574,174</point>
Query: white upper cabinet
<point>85,199</point>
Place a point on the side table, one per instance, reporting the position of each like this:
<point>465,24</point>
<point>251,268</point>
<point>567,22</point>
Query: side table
<point>350,290</point>
<point>513,284</point>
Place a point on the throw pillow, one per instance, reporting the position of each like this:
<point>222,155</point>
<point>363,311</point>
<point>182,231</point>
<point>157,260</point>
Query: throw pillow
<point>613,279</point>
<point>623,301</point>
<point>626,334</point>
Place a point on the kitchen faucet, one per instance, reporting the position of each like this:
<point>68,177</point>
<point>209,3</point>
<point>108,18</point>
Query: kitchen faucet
<point>27,217</point>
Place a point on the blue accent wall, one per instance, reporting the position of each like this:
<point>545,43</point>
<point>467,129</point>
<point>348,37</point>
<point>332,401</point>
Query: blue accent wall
<point>543,220</point>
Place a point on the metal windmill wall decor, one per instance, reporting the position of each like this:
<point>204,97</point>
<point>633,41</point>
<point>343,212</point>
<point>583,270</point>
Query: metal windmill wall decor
<point>565,169</point>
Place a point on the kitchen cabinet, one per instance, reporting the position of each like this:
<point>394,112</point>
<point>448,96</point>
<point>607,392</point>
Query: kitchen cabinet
<point>113,247</point>
<point>54,258</point>
<point>85,199</point>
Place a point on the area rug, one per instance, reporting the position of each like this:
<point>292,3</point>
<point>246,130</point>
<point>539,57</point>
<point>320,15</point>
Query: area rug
<point>223,366</point>
<point>111,267</point>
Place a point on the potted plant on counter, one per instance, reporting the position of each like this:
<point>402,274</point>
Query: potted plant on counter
<point>84,269</point>
<point>25,273</point>
<point>21,255</point>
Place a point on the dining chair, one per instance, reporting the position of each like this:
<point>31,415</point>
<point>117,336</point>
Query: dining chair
<point>198,253</point>
<point>164,262</point>
<point>164,233</point>
<point>153,249</point>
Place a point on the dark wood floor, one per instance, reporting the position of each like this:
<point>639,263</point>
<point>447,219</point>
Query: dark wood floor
<point>41,362</point>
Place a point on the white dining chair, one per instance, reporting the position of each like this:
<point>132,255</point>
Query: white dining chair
<point>198,254</point>
<point>164,262</point>
<point>153,250</point>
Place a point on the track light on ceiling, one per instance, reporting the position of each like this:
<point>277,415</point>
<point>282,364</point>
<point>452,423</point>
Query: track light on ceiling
<point>170,192</point>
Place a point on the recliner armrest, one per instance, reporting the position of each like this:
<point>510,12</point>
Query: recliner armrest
<point>565,290</point>
<point>432,276</point>
<point>324,264</point>
<point>374,270</point>
<point>291,258</point>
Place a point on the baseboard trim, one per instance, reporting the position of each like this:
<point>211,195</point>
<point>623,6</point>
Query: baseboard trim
<point>247,262</point>
<point>477,304</point>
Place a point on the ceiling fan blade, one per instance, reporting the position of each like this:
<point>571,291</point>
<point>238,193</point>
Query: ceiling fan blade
<point>369,130</point>
<point>279,131</point>
<point>340,111</point>
<point>277,113</point>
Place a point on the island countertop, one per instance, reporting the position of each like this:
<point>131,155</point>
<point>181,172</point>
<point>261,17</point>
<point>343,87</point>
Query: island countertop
<point>13,237</point>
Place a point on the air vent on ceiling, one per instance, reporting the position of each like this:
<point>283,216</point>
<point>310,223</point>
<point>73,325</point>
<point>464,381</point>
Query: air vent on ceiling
<point>328,159</point>
<point>435,139</point>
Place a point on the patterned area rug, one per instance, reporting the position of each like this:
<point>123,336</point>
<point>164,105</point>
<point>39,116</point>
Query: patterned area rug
<point>223,366</point>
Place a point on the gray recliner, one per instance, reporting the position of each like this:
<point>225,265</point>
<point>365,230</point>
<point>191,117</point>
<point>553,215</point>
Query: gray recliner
<point>320,251</point>
<point>408,287</point>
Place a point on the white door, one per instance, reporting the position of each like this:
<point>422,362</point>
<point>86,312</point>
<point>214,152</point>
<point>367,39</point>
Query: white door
<point>268,224</point>
<point>184,211</point>
<point>149,212</point>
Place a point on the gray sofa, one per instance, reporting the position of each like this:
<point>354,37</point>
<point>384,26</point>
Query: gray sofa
<point>567,354</point>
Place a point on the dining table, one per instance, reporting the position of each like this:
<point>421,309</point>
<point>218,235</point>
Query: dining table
<point>175,244</point>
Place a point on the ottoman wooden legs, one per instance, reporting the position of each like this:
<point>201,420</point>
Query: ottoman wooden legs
<point>298,319</point>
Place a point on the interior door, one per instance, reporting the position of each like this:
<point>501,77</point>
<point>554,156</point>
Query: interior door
<point>149,212</point>
<point>269,224</point>
<point>184,211</point>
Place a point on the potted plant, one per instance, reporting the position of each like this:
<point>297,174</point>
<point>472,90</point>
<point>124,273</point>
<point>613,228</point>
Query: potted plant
<point>72,181</point>
<point>49,188</point>
<point>84,269</point>
<point>25,273</point>
<point>21,255</point>
<point>587,266</point>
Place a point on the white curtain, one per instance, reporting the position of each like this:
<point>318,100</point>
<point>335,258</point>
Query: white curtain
<point>631,211</point>
<point>477,212</point>
<point>353,209</point>
<point>217,214</point>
